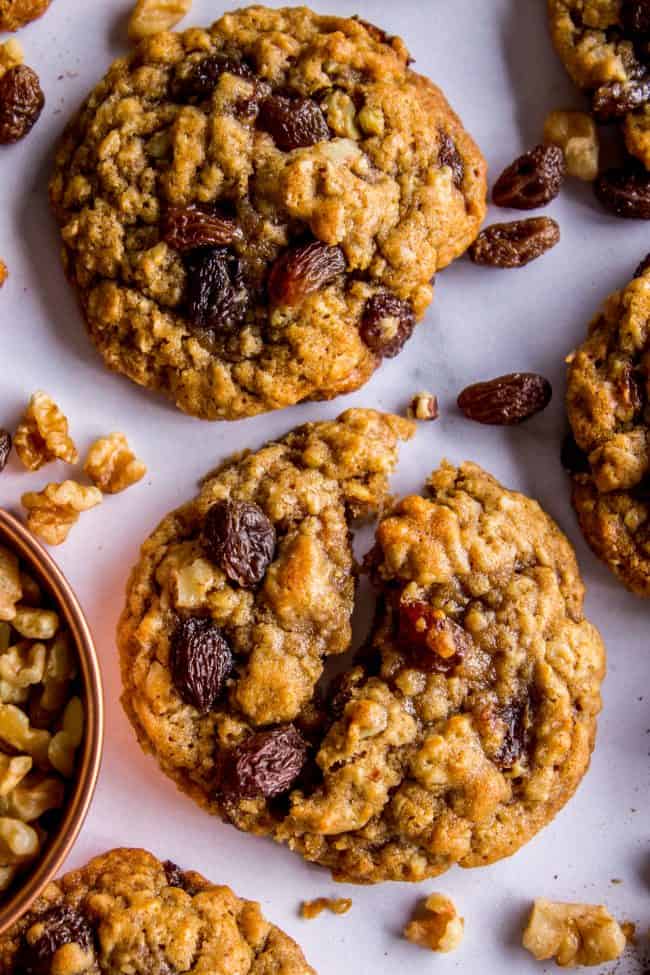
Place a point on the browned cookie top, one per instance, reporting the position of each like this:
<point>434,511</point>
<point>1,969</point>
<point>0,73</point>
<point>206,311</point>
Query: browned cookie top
<point>17,13</point>
<point>125,911</point>
<point>253,214</point>
<point>607,404</point>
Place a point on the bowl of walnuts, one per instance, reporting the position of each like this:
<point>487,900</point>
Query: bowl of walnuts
<point>51,719</point>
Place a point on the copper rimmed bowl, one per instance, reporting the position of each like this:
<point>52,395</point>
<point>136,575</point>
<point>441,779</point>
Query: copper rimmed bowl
<point>15,536</point>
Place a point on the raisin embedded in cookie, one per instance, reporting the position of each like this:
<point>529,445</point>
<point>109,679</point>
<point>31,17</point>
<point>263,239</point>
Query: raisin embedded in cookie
<point>605,47</point>
<point>125,911</point>
<point>252,215</point>
<point>17,13</point>
<point>607,405</point>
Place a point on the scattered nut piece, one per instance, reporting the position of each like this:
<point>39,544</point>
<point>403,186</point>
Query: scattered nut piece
<point>423,406</point>
<point>17,13</point>
<point>53,511</point>
<point>337,905</point>
<point>152,16</point>
<point>573,934</point>
<point>577,136</point>
<point>4,273</point>
<point>11,590</point>
<point>436,925</point>
<point>11,54</point>
<point>111,464</point>
<point>5,448</point>
<point>42,434</point>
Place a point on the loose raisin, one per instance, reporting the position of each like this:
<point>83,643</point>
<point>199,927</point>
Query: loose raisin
<point>532,180</point>
<point>5,448</point>
<point>386,324</point>
<point>62,925</point>
<point>200,662</point>
<point>643,267</point>
<point>21,103</point>
<point>240,539</point>
<point>217,296</point>
<point>573,459</point>
<point>266,764</point>
<point>636,16</point>
<point>515,717</point>
<point>190,227</point>
<point>448,155</point>
<point>515,244</point>
<point>204,76</point>
<point>625,192</point>
<point>506,400</point>
<point>435,642</point>
<point>615,99</point>
<point>301,271</point>
<point>293,122</point>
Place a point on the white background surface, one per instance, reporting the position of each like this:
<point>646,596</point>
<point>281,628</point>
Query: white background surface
<point>496,65</point>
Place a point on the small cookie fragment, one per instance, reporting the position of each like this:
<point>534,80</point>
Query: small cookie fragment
<point>337,905</point>
<point>437,925</point>
<point>423,406</point>
<point>42,434</point>
<point>152,16</point>
<point>17,13</point>
<point>52,512</point>
<point>577,136</point>
<point>11,55</point>
<point>111,464</point>
<point>573,934</point>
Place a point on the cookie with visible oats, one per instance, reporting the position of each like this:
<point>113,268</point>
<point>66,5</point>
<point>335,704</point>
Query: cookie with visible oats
<point>16,13</point>
<point>607,405</point>
<point>252,214</point>
<point>125,911</point>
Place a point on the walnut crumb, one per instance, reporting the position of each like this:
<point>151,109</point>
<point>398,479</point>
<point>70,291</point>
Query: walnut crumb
<point>111,464</point>
<point>337,905</point>
<point>42,434</point>
<point>52,512</point>
<point>573,934</point>
<point>423,406</point>
<point>152,16</point>
<point>11,55</point>
<point>4,273</point>
<point>436,925</point>
<point>577,136</point>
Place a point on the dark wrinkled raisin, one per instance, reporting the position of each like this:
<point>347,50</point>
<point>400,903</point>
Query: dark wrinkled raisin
<point>293,122</point>
<point>573,459</point>
<point>200,661</point>
<point>386,324</point>
<point>435,642</point>
<point>204,76</point>
<point>62,925</point>
<point>625,192</point>
<point>265,764</point>
<point>643,267</point>
<point>21,102</point>
<point>532,180</point>
<point>240,539</point>
<point>5,448</point>
<point>515,717</point>
<point>616,99</point>
<point>448,155</point>
<point>190,227</point>
<point>515,244</point>
<point>303,270</point>
<point>174,875</point>
<point>636,16</point>
<point>216,297</point>
<point>506,400</point>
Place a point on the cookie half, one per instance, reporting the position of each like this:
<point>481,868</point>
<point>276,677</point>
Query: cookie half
<point>252,215</point>
<point>607,406</point>
<point>16,13</point>
<point>125,911</point>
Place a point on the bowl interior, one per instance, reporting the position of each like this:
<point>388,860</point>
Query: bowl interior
<point>14,535</point>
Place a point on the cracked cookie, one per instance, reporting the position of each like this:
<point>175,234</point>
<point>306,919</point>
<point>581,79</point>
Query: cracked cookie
<point>466,723</point>
<point>605,47</point>
<point>252,215</point>
<point>125,911</point>
<point>16,13</point>
<point>607,406</point>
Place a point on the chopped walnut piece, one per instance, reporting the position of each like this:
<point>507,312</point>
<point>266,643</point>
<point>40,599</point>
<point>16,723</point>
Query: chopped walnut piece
<point>11,589</point>
<point>4,273</point>
<point>152,16</point>
<point>573,934</point>
<point>337,905</point>
<point>577,136</point>
<point>42,434</point>
<point>111,464</point>
<point>11,55</point>
<point>423,406</point>
<point>53,511</point>
<point>436,925</point>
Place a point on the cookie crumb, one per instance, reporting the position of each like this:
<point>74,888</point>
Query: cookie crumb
<point>111,464</point>
<point>577,136</point>
<point>337,905</point>
<point>573,934</point>
<point>436,925</point>
<point>153,16</point>
<point>4,273</point>
<point>52,512</point>
<point>629,930</point>
<point>423,406</point>
<point>42,434</point>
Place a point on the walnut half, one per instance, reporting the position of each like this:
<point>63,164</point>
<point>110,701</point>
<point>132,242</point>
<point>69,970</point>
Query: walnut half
<point>437,925</point>
<point>42,434</point>
<point>52,512</point>
<point>573,934</point>
<point>111,464</point>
